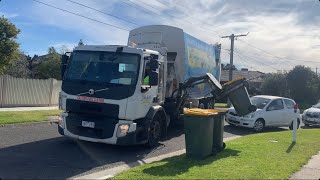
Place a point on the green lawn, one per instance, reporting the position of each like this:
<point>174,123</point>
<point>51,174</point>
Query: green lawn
<point>13,117</point>
<point>258,156</point>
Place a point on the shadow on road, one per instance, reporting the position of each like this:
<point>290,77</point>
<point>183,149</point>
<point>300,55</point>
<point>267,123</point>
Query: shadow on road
<point>61,157</point>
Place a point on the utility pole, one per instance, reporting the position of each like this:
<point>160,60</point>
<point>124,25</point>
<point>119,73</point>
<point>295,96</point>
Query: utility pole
<point>317,71</point>
<point>231,37</point>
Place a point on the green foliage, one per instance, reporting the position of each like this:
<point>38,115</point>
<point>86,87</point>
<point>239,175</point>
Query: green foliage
<point>49,66</point>
<point>275,84</point>
<point>8,45</point>
<point>19,68</point>
<point>228,66</point>
<point>303,84</point>
<point>300,84</point>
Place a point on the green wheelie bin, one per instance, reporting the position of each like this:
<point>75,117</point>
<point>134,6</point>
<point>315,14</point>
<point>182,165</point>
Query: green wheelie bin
<point>198,130</point>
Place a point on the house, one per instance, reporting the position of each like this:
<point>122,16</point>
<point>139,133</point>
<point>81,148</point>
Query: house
<point>254,78</point>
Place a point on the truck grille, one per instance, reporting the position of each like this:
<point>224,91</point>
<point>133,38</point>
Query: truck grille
<point>104,127</point>
<point>76,106</point>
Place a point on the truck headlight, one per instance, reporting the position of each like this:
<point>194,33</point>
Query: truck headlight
<point>60,121</point>
<point>123,130</point>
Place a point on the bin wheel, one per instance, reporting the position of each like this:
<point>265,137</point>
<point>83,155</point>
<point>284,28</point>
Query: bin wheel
<point>224,146</point>
<point>154,133</point>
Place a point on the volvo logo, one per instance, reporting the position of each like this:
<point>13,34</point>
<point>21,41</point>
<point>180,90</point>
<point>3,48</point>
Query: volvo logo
<point>91,91</point>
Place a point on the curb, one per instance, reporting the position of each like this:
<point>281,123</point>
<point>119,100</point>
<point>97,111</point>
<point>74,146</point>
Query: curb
<point>110,173</point>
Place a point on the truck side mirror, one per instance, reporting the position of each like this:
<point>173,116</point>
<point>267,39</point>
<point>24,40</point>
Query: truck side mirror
<point>154,64</point>
<point>64,63</point>
<point>153,78</point>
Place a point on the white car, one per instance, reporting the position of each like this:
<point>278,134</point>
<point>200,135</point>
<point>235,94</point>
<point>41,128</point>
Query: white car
<point>311,116</point>
<point>272,111</point>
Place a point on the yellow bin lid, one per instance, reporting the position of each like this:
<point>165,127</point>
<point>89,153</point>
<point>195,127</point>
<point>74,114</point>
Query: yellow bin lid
<point>202,112</point>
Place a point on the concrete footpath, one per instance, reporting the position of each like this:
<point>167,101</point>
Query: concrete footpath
<point>309,171</point>
<point>29,108</point>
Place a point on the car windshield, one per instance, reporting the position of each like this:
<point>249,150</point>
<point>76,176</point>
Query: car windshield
<point>317,106</point>
<point>259,102</point>
<point>104,67</point>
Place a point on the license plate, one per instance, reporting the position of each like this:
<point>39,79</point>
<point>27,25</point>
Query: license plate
<point>88,124</point>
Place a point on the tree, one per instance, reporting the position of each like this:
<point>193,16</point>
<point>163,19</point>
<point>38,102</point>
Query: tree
<point>304,85</point>
<point>19,68</point>
<point>227,67</point>
<point>49,67</point>
<point>275,84</point>
<point>8,45</point>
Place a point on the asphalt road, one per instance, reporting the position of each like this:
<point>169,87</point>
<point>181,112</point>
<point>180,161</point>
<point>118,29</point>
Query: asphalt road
<point>37,151</point>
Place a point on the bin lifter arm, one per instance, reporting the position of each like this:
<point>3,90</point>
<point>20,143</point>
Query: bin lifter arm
<point>182,93</point>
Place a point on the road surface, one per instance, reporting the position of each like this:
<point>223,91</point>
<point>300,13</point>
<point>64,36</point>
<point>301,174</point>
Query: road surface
<point>37,151</point>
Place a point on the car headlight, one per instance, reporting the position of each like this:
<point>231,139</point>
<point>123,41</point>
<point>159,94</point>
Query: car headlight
<point>250,115</point>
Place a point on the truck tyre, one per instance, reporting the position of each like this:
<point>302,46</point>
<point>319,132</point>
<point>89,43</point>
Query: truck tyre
<point>154,131</point>
<point>291,125</point>
<point>259,125</point>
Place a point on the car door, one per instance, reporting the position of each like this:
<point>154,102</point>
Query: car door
<point>275,113</point>
<point>291,114</point>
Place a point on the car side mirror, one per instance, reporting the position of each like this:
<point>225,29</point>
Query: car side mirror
<point>154,78</point>
<point>64,63</point>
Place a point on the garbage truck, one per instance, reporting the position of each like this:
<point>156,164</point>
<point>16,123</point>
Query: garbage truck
<point>130,94</point>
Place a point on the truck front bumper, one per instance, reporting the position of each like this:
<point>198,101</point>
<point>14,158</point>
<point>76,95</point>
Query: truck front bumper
<point>76,131</point>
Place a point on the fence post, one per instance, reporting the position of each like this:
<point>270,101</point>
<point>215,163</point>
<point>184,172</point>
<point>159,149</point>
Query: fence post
<point>4,89</point>
<point>50,91</point>
<point>1,90</point>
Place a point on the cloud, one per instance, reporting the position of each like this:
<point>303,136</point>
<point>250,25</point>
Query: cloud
<point>288,29</point>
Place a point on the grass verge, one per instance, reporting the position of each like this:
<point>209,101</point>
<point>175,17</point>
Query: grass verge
<point>258,156</point>
<point>13,117</point>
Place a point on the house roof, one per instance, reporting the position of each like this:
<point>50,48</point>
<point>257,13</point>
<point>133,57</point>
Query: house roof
<point>252,76</point>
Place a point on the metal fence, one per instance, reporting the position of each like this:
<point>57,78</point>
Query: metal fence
<point>16,92</point>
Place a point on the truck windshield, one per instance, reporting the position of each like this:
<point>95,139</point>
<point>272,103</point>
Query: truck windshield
<point>104,67</point>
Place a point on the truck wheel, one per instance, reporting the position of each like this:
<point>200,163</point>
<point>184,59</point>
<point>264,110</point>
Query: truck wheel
<point>154,133</point>
<point>258,125</point>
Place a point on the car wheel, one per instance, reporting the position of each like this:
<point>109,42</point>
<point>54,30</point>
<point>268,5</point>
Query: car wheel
<point>307,125</point>
<point>155,130</point>
<point>291,125</point>
<point>258,125</point>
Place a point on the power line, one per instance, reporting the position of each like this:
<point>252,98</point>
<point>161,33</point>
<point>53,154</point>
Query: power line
<point>248,57</point>
<point>267,52</point>
<point>49,5</point>
<point>173,17</point>
<point>83,5</point>
<point>191,18</point>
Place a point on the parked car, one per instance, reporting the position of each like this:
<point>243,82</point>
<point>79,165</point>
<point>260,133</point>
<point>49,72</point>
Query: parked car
<point>311,116</point>
<point>272,111</point>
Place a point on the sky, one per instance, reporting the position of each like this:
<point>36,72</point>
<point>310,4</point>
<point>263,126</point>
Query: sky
<point>282,33</point>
